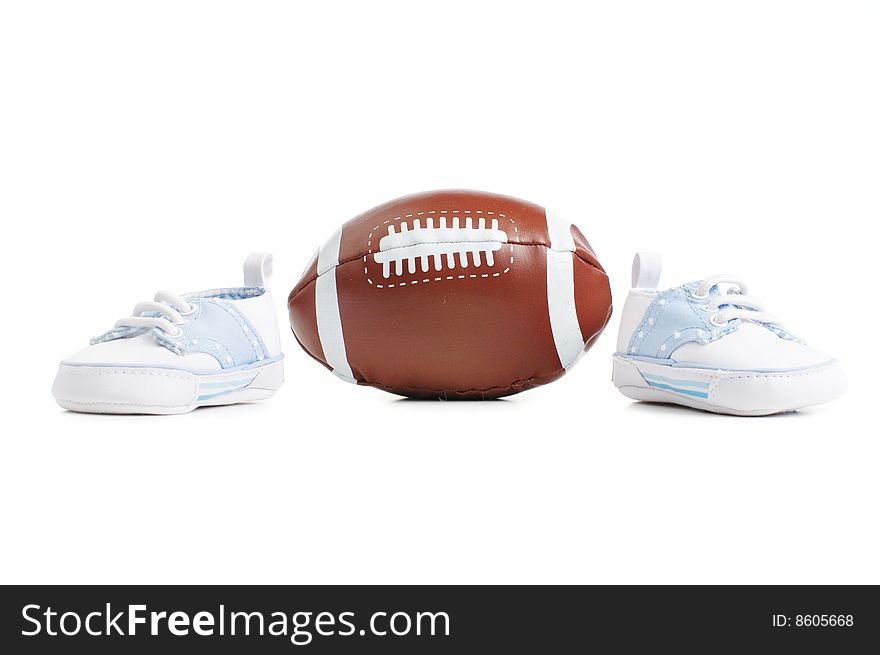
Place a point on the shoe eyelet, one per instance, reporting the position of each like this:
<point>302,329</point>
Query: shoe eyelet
<point>695,296</point>
<point>707,308</point>
<point>192,310</point>
<point>714,322</point>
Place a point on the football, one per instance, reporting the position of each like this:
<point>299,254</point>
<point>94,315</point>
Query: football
<point>451,295</point>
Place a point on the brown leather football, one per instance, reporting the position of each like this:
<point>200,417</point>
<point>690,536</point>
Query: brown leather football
<point>451,294</point>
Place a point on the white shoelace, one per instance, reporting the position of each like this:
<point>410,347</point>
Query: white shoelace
<point>736,301</point>
<point>171,309</point>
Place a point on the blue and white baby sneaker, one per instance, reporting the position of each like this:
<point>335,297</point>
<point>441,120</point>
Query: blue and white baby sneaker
<point>710,345</point>
<point>177,353</point>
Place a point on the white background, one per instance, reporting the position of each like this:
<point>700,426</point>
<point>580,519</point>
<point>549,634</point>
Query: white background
<point>153,145</point>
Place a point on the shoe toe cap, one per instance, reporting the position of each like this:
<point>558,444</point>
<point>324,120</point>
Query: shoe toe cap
<point>123,390</point>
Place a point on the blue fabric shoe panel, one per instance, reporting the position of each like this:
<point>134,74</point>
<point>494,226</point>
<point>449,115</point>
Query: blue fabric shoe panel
<point>215,328</point>
<point>676,317</point>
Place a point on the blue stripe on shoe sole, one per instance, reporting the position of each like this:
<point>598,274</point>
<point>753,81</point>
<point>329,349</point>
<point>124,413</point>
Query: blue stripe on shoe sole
<point>209,396</point>
<point>224,388</point>
<point>673,381</point>
<point>687,392</point>
<point>228,383</point>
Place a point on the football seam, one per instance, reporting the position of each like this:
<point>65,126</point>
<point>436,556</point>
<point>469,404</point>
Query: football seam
<point>309,352</point>
<point>359,257</point>
<point>610,308</point>
<point>390,387</point>
<point>511,385</point>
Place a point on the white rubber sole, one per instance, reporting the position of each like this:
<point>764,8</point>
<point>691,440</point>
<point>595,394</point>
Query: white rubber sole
<point>742,393</point>
<point>135,390</point>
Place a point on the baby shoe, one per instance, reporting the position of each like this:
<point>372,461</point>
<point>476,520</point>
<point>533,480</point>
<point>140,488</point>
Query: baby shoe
<point>177,353</point>
<point>710,345</point>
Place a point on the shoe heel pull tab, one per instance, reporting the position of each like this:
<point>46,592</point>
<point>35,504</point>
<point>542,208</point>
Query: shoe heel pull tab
<point>258,269</point>
<point>646,270</point>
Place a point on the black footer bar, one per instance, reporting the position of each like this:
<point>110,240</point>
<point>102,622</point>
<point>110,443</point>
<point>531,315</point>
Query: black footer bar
<point>428,619</point>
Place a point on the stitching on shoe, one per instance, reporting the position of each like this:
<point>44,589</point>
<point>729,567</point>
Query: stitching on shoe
<point>174,376</point>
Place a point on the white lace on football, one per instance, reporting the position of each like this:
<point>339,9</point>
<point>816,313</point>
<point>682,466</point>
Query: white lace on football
<point>736,302</point>
<point>170,308</point>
